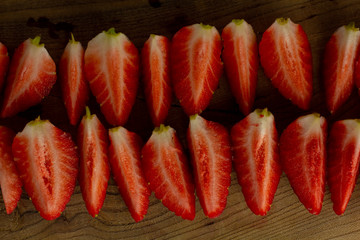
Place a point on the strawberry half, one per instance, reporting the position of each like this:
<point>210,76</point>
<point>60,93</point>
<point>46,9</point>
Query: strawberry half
<point>47,161</point>
<point>31,76</point>
<point>339,64</point>
<point>112,69</point>
<point>343,162</point>
<point>285,55</point>
<point>195,66</point>
<point>9,178</point>
<point>165,167</point>
<point>74,88</point>
<point>302,156</point>
<point>125,161</point>
<point>256,159</point>
<point>94,172</point>
<point>210,150</point>
<point>240,56</point>
<point>155,57</point>
<point>4,64</point>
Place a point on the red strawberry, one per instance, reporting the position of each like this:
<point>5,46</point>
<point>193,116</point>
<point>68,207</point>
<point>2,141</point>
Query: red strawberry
<point>256,159</point>
<point>302,156</point>
<point>240,56</point>
<point>73,85</point>
<point>94,172</point>
<point>47,161</point>
<point>4,64</point>
<point>343,162</point>
<point>9,177</point>
<point>125,160</point>
<point>195,66</point>
<point>286,58</point>
<point>112,69</point>
<point>339,65</point>
<point>155,57</point>
<point>165,167</point>
<point>31,76</point>
<point>210,150</point>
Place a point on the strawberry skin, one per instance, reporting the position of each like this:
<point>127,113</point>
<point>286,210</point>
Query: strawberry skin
<point>256,159</point>
<point>125,161</point>
<point>31,76</point>
<point>74,88</point>
<point>339,65</point>
<point>285,55</point>
<point>155,57</point>
<point>47,161</point>
<point>240,56</point>
<point>210,151</point>
<point>302,157</point>
<point>9,178</point>
<point>166,168</point>
<point>343,162</point>
<point>94,172</point>
<point>112,69</point>
<point>4,64</point>
<point>195,66</point>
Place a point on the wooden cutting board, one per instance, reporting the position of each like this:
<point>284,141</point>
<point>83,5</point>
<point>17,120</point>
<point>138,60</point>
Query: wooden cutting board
<point>287,219</point>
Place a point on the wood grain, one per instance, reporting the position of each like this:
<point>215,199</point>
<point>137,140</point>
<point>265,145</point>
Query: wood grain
<point>287,219</point>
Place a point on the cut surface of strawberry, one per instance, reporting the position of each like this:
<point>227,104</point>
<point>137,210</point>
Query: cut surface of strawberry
<point>94,171</point>
<point>47,161</point>
<point>285,55</point>
<point>4,64</point>
<point>241,62</point>
<point>31,76</point>
<point>302,156</point>
<point>112,69</point>
<point>195,66</point>
<point>155,57</point>
<point>256,159</point>
<point>166,168</point>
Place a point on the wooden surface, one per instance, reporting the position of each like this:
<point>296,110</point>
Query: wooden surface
<point>287,219</point>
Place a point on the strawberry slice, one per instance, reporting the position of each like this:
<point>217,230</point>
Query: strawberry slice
<point>74,88</point>
<point>94,172</point>
<point>47,161</point>
<point>4,64</point>
<point>9,177</point>
<point>195,66</point>
<point>112,69</point>
<point>165,167</point>
<point>125,161</point>
<point>256,159</point>
<point>155,67</point>
<point>285,55</point>
<point>302,157</point>
<point>210,150</point>
<point>339,64</point>
<point>240,56</point>
<point>31,76</point>
<point>343,161</point>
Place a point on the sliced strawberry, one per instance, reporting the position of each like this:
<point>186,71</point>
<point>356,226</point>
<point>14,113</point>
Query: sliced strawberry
<point>195,66</point>
<point>240,56</point>
<point>74,88</point>
<point>339,64</point>
<point>47,161</point>
<point>125,161</point>
<point>4,64</point>
<point>94,172</point>
<point>210,150</point>
<point>165,167</point>
<point>112,69</point>
<point>31,76</point>
<point>256,159</point>
<point>285,55</point>
<point>155,57</point>
<point>9,177</point>
<point>343,162</point>
<point>302,156</point>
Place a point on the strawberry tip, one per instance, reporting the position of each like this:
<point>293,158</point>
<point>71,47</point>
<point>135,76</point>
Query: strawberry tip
<point>161,128</point>
<point>282,21</point>
<point>351,27</point>
<point>263,112</point>
<point>112,32</point>
<point>205,26</point>
<point>238,21</point>
<point>193,117</point>
<point>72,40</point>
<point>36,41</point>
<point>87,110</point>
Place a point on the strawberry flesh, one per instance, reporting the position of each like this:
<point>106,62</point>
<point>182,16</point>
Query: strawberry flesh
<point>4,64</point>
